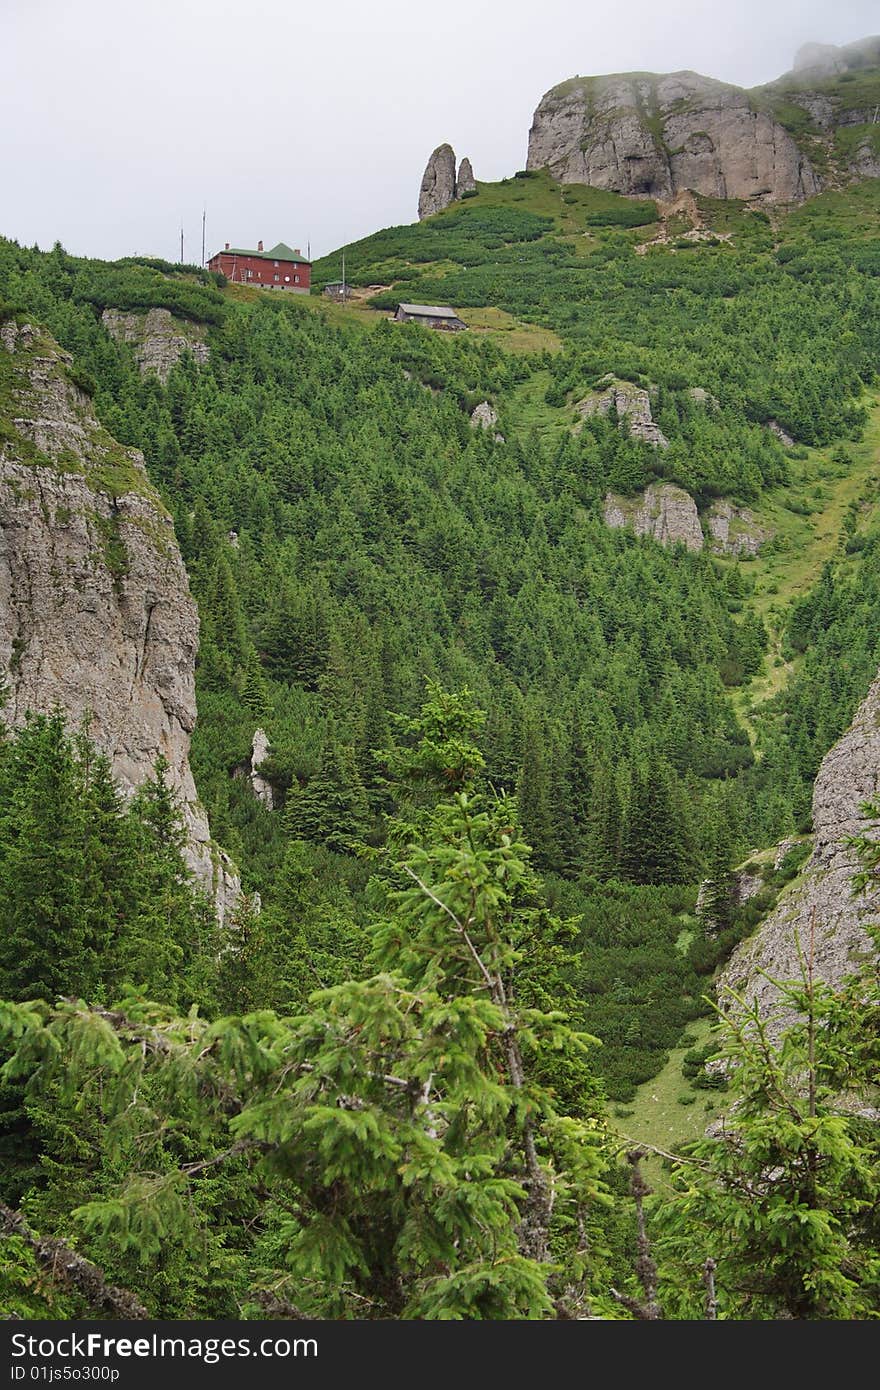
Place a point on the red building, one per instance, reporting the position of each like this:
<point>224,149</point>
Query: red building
<point>280,268</point>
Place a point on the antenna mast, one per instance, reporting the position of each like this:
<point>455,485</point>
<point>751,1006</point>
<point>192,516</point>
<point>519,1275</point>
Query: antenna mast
<point>181,243</point>
<point>204,215</point>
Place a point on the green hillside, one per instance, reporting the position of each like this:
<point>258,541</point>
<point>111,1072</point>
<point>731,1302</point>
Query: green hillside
<point>372,572</point>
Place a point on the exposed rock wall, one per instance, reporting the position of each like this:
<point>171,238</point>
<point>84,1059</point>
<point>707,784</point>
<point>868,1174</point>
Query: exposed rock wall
<point>96,616</point>
<point>159,339</point>
<point>849,776</point>
<point>734,530</point>
<point>631,403</point>
<point>653,136</point>
<point>663,511</point>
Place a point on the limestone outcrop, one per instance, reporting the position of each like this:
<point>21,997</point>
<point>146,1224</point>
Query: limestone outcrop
<point>158,337</point>
<point>632,403</point>
<point>820,901</point>
<point>96,617</point>
<point>734,530</point>
<point>650,135</point>
<point>465,182</point>
<point>437,189</point>
<point>663,511</point>
<point>441,185</point>
<point>261,789</point>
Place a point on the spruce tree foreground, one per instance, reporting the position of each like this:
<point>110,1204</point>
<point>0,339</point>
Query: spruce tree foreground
<point>426,1141</point>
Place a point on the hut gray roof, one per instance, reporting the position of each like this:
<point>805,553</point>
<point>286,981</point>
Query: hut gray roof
<point>433,311</point>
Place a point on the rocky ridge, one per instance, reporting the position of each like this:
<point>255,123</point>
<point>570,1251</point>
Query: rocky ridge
<point>656,135</point>
<point>158,337</point>
<point>734,530</point>
<point>820,902</point>
<point>96,617</point>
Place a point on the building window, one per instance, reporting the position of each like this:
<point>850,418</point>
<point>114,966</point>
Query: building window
<point>275,263</point>
<point>287,279</point>
<point>276,277</point>
<point>296,279</point>
<point>250,275</point>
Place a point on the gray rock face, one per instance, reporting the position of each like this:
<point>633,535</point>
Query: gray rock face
<point>632,403</point>
<point>159,339</point>
<point>663,511</point>
<point>782,435</point>
<point>652,136</point>
<point>465,183</point>
<point>96,616</point>
<point>484,416</point>
<point>262,789</point>
<point>822,895</point>
<point>438,182</point>
<point>734,530</point>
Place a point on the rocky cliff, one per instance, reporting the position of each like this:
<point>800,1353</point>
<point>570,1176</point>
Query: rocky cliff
<point>655,135</point>
<point>663,511</point>
<point>631,404</point>
<point>159,338</point>
<point>669,514</point>
<point>652,136</point>
<point>96,616</point>
<point>821,899</point>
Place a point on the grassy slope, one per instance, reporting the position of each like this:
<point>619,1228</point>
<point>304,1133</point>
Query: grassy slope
<point>786,570</point>
<point>667,1111</point>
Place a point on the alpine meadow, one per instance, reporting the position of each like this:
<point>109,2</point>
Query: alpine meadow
<point>440,770</point>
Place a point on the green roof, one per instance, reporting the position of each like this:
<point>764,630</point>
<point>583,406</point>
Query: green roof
<point>281,252</point>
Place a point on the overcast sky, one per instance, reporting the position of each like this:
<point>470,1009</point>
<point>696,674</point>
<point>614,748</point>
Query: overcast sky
<point>120,118</point>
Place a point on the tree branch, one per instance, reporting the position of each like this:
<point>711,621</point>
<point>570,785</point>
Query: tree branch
<point>67,1267</point>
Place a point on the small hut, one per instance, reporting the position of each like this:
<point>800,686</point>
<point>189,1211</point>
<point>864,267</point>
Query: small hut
<point>430,316</point>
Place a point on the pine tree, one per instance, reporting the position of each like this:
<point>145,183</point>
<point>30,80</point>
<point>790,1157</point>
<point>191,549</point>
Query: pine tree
<point>784,1201</point>
<point>658,846</point>
<point>46,946</point>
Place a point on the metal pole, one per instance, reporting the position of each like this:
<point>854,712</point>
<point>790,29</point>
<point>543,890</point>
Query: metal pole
<point>204,215</point>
